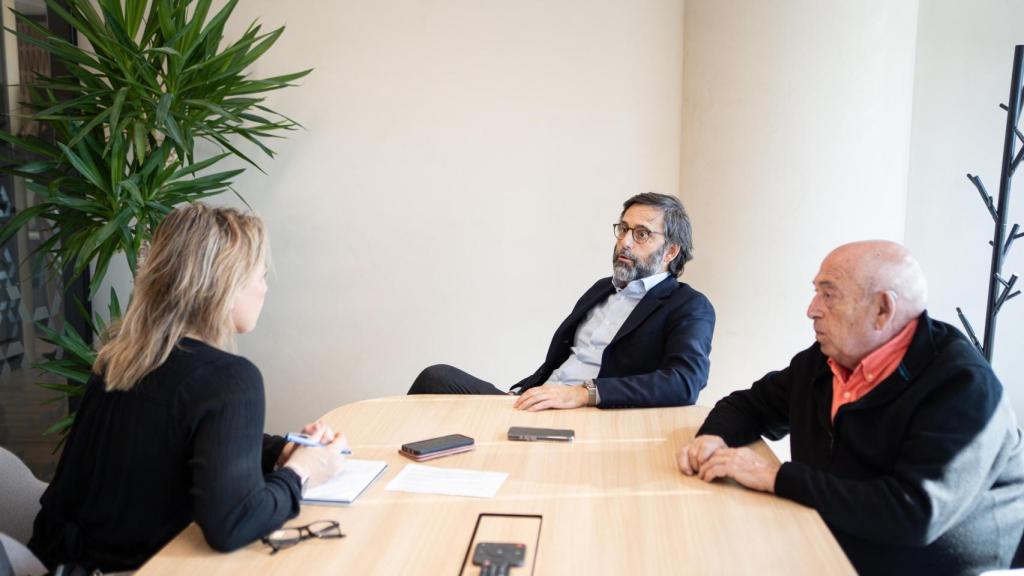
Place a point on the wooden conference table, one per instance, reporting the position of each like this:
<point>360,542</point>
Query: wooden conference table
<point>611,502</point>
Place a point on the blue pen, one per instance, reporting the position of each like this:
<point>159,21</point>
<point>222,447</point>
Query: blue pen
<point>305,440</point>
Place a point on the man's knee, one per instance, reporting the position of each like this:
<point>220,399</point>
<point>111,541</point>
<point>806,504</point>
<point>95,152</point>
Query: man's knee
<point>432,380</point>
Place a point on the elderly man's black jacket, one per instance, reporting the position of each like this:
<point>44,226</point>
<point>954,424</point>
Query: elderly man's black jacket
<point>658,358</point>
<point>923,475</point>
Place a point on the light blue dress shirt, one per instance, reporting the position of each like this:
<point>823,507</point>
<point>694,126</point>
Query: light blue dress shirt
<point>598,329</point>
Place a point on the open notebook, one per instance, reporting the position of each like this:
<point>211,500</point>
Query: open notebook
<point>347,486</point>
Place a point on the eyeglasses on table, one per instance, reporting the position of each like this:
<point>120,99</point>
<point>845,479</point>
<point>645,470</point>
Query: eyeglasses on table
<point>291,535</point>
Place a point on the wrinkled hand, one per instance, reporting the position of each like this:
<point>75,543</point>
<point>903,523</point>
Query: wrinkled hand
<point>692,456</point>
<point>552,396</point>
<point>312,429</point>
<point>319,463</point>
<point>742,465</point>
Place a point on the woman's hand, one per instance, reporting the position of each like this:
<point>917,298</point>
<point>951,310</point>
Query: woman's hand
<point>318,464</point>
<point>312,429</point>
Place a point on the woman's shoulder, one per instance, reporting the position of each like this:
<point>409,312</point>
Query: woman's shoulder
<point>199,363</point>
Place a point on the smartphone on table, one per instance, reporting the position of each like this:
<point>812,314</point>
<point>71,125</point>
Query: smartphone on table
<point>436,447</point>
<point>528,434</point>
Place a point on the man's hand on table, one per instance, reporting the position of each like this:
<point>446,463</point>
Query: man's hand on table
<point>709,458</point>
<point>552,396</point>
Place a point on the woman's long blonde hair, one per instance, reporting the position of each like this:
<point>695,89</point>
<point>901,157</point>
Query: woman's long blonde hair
<point>199,259</point>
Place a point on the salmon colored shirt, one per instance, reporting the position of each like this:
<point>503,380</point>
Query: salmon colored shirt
<point>850,386</point>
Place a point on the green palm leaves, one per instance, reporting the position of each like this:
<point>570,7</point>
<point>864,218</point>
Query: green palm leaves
<point>126,117</point>
<point>121,121</point>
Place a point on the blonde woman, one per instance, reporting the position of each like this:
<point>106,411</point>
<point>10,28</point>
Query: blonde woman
<point>170,428</point>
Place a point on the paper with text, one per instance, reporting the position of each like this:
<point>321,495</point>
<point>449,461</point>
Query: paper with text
<point>449,481</point>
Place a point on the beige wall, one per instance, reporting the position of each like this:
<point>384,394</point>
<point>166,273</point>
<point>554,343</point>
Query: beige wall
<point>796,130</point>
<point>964,54</point>
<point>463,161</point>
<point>454,190</point>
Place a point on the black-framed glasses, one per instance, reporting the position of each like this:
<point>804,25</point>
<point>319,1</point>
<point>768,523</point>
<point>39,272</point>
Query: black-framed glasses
<point>290,536</point>
<point>640,234</point>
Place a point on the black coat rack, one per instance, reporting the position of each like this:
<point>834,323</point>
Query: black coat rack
<point>1000,290</point>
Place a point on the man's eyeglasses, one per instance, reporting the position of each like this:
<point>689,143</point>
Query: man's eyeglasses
<point>288,537</point>
<point>640,234</point>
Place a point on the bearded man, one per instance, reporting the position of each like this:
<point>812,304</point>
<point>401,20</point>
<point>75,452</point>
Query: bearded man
<point>640,338</point>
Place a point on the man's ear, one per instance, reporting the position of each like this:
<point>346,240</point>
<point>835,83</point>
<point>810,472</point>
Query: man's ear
<point>670,254</point>
<point>885,308</point>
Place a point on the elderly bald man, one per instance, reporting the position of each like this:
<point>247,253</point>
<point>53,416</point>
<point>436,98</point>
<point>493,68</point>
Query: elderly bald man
<point>901,435</point>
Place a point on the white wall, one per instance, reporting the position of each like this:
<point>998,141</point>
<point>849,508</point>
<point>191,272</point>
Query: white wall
<point>462,162</point>
<point>796,130</point>
<point>964,54</point>
<point>454,191</point>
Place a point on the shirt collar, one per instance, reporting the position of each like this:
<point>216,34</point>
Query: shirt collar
<point>642,285</point>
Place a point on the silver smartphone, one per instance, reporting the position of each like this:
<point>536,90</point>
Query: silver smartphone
<point>531,434</point>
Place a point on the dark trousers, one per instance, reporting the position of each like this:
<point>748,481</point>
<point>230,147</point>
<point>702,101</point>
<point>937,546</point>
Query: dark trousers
<point>445,379</point>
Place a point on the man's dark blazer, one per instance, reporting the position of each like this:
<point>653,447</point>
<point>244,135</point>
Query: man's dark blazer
<point>659,357</point>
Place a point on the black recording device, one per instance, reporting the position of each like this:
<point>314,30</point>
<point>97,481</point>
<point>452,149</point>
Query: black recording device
<point>496,559</point>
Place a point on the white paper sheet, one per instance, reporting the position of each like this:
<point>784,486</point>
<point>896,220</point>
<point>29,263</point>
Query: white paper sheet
<point>449,481</point>
<point>347,486</point>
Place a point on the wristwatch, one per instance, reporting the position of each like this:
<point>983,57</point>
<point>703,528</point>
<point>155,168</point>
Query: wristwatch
<point>592,394</point>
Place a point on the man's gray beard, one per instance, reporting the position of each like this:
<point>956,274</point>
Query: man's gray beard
<point>623,274</point>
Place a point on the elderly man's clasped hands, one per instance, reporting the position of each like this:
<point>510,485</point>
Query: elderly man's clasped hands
<point>708,458</point>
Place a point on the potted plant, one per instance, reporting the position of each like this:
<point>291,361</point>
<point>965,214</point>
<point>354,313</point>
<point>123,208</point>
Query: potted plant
<point>122,124</point>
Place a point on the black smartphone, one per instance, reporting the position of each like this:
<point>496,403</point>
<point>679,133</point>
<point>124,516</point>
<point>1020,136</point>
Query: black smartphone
<point>530,434</point>
<point>437,447</point>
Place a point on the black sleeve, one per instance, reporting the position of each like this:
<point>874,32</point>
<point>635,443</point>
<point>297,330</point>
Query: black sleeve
<point>272,448</point>
<point>235,501</point>
<point>945,458</point>
<point>683,372</point>
<point>745,415</point>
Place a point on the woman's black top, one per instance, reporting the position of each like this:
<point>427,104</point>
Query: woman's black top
<point>185,443</point>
